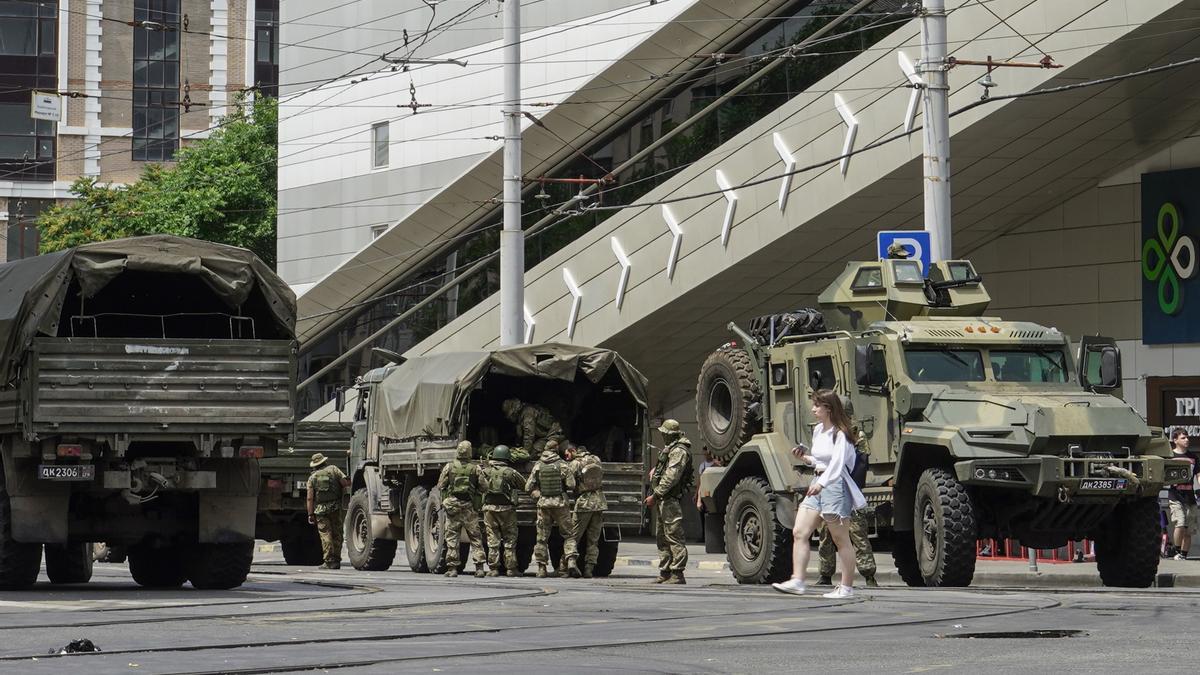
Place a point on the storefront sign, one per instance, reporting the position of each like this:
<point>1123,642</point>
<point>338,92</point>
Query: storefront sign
<point>1174,403</point>
<point>1170,225</point>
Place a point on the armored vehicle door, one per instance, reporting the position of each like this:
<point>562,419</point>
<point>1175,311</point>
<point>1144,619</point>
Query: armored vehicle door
<point>819,366</point>
<point>870,392</point>
<point>1099,363</point>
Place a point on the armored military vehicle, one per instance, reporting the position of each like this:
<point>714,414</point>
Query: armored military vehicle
<point>410,416</point>
<point>141,381</point>
<point>975,427</point>
<point>283,493</point>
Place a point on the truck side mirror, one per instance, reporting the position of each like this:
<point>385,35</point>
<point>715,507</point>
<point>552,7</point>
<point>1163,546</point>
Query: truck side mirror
<point>339,399</point>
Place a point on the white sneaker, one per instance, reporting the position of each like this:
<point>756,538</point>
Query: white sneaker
<point>1180,556</point>
<point>839,592</point>
<point>793,586</point>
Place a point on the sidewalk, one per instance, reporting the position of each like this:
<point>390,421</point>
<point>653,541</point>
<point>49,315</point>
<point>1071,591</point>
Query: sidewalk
<point>642,553</point>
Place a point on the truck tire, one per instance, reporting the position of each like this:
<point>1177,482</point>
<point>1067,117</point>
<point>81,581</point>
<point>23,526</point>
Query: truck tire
<point>758,548</point>
<point>434,522</point>
<point>104,552</point>
<point>301,546</point>
<point>526,540</point>
<point>1127,546</point>
<point>69,563</point>
<point>414,521</point>
<point>219,566</point>
<point>727,401</point>
<point>607,557</point>
<point>366,551</point>
<point>904,555</point>
<point>944,522</point>
<point>19,562</point>
<point>157,567</point>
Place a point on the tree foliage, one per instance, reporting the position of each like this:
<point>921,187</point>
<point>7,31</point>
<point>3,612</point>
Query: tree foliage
<point>220,189</point>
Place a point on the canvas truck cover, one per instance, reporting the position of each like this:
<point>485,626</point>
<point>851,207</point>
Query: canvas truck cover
<point>425,395</point>
<point>32,290</point>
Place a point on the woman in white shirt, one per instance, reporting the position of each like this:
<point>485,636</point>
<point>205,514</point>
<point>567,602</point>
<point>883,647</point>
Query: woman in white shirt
<point>831,497</point>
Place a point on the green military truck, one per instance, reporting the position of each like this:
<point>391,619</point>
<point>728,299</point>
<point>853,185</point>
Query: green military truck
<point>141,381</point>
<point>410,416</point>
<point>282,508</point>
<point>975,427</point>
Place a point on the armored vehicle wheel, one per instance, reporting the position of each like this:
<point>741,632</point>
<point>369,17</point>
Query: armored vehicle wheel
<point>367,552</point>
<point>104,552</point>
<point>526,540</point>
<point>414,520</point>
<point>301,545</point>
<point>758,548</point>
<point>727,401</point>
<point>1127,545</point>
<point>69,563</point>
<point>219,566</point>
<point>904,554</point>
<point>944,519</point>
<point>19,562</point>
<point>157,567</point>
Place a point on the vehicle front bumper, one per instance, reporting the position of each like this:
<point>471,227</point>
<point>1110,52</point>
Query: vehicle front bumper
<point>1068,478</point>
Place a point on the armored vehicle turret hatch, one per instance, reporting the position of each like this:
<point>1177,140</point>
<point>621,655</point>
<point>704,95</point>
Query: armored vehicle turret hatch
<point>896,290</point>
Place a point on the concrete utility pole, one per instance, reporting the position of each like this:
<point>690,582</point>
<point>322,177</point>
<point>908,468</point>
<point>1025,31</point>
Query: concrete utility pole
<point>512,237</point>
<point>933,69</point>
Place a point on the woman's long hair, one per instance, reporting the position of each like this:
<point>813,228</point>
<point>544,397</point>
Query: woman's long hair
<point>837,413</point>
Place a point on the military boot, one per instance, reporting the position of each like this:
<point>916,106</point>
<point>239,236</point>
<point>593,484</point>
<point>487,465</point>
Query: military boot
<point>510,572</point>
<point>479,571</point>
<point>676,578</point>
<point>452,572</point>
<point>541,573</point>
<point>573,569</point>
<point>493,572</point>
<point>870,579</point>
<point>587,571</point>
<point>663,575</point>
<point>825,580</point>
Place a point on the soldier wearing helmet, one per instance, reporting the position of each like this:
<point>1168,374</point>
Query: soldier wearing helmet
<point>670,481</point>
<point>502,486</point>
<point>590,505</point>
<point>459,484</point>
<point>549,483</point>
<point>535,425</point>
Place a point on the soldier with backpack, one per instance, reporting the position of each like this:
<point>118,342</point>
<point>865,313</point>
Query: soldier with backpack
<point>326,486</point>
<point>549,483</point>
<point>671,479</point>
<point>459,484</point>
<point>590,505</point>
<point>501,488</point>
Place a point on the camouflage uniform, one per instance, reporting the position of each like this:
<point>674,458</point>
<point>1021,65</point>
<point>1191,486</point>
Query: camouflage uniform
<point>535,425</point>
<point>325,483</point>
<point>864,556</point>
<point>460,508</point>
<point>502,485</point>
<point>549,483</point>
<point>671,479</point>
<point>590,506</point>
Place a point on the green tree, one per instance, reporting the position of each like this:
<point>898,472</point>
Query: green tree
<point>220,189</point>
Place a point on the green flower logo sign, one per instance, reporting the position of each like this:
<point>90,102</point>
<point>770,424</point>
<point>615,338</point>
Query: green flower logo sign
<point>1170,259</point>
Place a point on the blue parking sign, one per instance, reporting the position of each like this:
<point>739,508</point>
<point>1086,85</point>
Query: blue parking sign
<point>916,242</point>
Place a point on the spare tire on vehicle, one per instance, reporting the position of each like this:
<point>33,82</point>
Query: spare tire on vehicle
<point>728,401</point>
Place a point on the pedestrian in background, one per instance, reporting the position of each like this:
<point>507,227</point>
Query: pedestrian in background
<point>325,488</point>
<point>831,497</point>
<point>1181,498</point>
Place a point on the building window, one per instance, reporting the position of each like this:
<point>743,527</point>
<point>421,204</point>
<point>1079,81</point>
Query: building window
<point>378,230</point>
<point>28,63</point>
<point>266,46</point>
<point>156,82</point>
<point>379,145</point>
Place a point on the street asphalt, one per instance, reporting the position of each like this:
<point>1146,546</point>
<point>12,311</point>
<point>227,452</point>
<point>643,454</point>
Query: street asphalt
<point>293,619</point>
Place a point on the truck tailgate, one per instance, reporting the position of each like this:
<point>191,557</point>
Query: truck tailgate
<point>163,386</point>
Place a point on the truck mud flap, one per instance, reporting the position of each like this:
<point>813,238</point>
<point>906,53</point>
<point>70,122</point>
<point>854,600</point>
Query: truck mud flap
<point>225,519</point>
<point>40,519</point>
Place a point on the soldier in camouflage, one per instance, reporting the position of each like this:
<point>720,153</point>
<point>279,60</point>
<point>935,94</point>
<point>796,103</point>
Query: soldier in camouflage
<point>326,486</point>
<point>670,481</point>
<point>590,505</point>
<point>549,483</point>
<point>864,556</point>
<point>459,484</point>
<point>535,425</point>
<point>501,489</point>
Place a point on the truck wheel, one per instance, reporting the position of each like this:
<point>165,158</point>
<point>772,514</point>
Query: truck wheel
<point>69,563</point>
<point>944,519</point>
<point>103,552</point>
<point>301,546</point>
<point>1127,545</point>
<point>727,399</point>
<point>904,554</point>
<point>607,557</point>
<point>414,519</point>
<point>157,567</point>
<point>19,562</point>
<point>526,540</point>
<point>219,566</point>
<point>434,521</point>
<point>367,552</point>
<point>758,548</point>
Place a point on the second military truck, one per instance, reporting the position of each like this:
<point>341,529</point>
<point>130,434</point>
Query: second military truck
<point>975,427</point>
<point>410,416</point>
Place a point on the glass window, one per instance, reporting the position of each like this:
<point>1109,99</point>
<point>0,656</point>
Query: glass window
<point>907,272</point>
<point>960,271</point>
<point>379,144</point>
<point>820,373</point>
<point>156,82</point>
<point>868,277</point>
<point>1046,365</point>
<point>18,36</point>
<point>944,365</point>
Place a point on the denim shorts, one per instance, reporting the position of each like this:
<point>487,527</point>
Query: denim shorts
<point>832,502</point>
